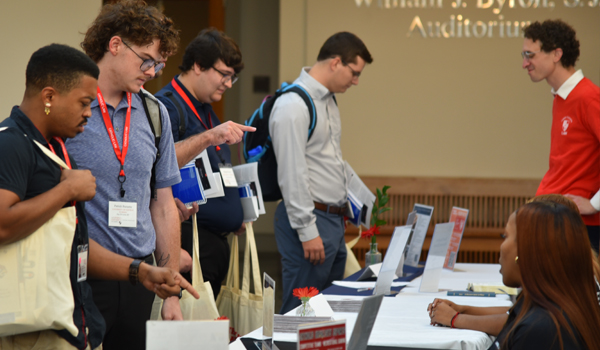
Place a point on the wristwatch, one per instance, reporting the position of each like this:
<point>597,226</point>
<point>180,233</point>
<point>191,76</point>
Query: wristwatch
<point>134,270</point>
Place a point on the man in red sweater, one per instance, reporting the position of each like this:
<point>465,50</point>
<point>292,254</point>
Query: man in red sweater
<point>550,50</point>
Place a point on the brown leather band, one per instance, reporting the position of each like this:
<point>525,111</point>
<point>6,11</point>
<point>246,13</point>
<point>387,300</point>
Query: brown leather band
<point>331,209</point>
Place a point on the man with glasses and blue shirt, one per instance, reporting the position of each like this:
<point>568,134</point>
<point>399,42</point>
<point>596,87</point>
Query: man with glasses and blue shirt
<point>209,67</point>
<point>309,225</point>
<point>550,50</point>
<point>129,41</point>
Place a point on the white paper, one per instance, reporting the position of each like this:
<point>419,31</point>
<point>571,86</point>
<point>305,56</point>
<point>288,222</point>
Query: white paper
<point>185,335</point>
<point>248,174</point>
<point>364,284</point>
<point>424,213</point>
<point>209,182</point>
<point>122,214</point>
<point>218,189</point>
<point>228,176</point>
<point>361,193</point>
<point>250,208</point>
<point>391,260</point>
<point>435,259</point>
<point>321,306</point>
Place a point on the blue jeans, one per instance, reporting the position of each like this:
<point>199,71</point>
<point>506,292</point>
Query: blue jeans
<point>299,272</point>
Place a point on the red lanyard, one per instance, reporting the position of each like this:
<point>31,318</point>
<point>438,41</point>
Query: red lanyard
<point>64,150</point>
<point>113,138</point>
<point>67,160</point>
<point>191,105</point>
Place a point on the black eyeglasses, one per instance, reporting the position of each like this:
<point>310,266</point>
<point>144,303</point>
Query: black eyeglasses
<point>355,74</point>
<point>147,62</point>
<point>227,77</point>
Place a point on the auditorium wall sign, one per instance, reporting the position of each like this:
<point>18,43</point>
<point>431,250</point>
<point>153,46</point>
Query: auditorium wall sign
<point>458,26</point>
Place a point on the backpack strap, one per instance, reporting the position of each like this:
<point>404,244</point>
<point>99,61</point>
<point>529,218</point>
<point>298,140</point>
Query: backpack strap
<point>312,111</point>
<point>180,110</point>
<point>152,109</point>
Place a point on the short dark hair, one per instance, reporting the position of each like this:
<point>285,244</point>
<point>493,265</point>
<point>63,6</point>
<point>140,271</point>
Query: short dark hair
<point>58,66</point>
<point>345,45</point>
<point>134,21</point>
<point>210,46</point>
<point>555,34</point>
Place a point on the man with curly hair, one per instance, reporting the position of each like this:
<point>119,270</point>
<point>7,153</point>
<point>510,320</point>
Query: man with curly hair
<point>128,41</point>
<point>550,50</point>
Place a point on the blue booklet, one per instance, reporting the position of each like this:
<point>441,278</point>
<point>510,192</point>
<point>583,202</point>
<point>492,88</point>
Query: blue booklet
<point>190,189</point>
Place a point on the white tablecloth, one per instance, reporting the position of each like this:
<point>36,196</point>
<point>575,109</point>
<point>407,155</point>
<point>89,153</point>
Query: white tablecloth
<point>403,322</point>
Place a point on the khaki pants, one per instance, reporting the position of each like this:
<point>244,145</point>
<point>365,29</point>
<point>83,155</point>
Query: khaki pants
<point>44,340</point>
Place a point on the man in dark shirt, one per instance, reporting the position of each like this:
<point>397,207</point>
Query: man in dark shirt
<point>210,66</point>
<point>61,83</point>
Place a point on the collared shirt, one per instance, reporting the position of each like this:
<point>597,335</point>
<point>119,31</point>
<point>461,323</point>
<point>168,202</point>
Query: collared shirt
<point>93,150</point>
<point>575,143</point>
<point>26,171</point>
<point>310,170</point>
<point>221,214</point>
<point>565,89</point>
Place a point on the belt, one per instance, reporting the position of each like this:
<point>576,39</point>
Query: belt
<point>341,211</point>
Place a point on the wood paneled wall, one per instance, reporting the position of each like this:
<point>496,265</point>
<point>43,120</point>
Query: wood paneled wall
<point>490,202</point>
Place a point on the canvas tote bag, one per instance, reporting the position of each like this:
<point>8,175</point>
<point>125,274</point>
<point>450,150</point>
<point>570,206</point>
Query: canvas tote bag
<point>352,265</point>
<point>244,309</point>
<point>35,288</point>
<point>193,309</point>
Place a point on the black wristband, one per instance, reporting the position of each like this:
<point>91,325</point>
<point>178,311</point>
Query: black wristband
<point>134,270</point>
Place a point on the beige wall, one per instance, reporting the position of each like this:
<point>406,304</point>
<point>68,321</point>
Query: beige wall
<point>27,25</point>
<point>457,107</point>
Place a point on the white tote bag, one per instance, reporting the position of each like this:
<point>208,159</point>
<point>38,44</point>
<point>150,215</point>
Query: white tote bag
<point>192,308</point>
<point>35,288</point>
<point>244,309</point>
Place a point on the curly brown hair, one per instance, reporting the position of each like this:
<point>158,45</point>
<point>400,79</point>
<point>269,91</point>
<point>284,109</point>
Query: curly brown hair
<point>555,34</point>
<point>134,21</point>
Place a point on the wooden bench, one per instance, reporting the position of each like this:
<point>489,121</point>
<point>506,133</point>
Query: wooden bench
<point>490,202</point>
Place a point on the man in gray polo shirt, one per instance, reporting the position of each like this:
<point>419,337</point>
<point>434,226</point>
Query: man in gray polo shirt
<point>127,41</point>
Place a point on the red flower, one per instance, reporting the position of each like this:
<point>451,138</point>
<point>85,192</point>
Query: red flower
<point>374,230</point>
<point>304,294</point>
<point>221,318</point>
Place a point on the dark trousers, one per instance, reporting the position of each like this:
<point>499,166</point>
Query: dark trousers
<point>125,309</point>
<point>298,272</point>
<point>214,254</point>
<point>594,234</point>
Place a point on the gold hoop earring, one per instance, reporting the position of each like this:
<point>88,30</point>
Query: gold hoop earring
<point>517,260</point>
<point>47,109</point>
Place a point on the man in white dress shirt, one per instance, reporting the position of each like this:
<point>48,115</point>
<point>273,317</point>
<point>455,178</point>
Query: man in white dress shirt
<point>309,226</point>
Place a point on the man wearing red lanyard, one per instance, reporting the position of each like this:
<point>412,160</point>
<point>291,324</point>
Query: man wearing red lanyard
<point>60,86</point>
<point>128,40</point>
<point>210,66</point>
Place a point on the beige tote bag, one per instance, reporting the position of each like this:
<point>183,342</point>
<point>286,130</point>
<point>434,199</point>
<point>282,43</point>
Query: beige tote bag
<point>352,265</point>
<point>35,288</point>
<point>244,309</point>
<point>193,309</point>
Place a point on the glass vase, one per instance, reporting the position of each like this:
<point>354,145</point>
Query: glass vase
<point>373,256</point>
<point>305,310</point>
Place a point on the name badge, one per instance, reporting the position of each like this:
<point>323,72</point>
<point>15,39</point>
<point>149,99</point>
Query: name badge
<point>227,175</point>
<point>122,214</point>
<point>82,261</point>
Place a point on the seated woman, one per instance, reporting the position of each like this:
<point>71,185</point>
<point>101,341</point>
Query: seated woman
<point>491,320</point>
<point>545,253</point>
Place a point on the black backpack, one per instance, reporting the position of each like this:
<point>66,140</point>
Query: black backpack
<point>258,146</point>
<point>152,109</point>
